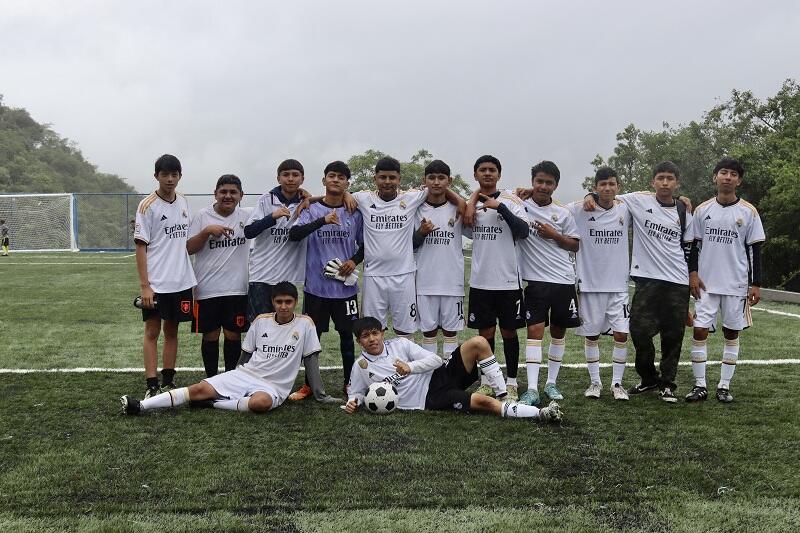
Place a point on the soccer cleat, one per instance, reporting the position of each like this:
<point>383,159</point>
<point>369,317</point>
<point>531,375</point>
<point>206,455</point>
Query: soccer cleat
<point>301,394</point>
<point>552,392</point>
<point>724,395</point>
<point>166,387</point>
<point>641,389</point>
<point>152,391</point>
<point>593,391</point>
<point>551,413</point>
<point>618,392</point>
<point>130,405</point>
<point>667,395</point>
<point>697,394</point>
<point>530,397</point>
<point>486,390</point>
<point>513,393</point>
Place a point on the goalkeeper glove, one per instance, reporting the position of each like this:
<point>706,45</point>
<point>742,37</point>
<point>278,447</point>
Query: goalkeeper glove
<point>331,271</point>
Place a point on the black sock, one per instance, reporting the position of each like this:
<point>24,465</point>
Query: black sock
<point>167,376</point>
<point>210,352</point>
<point>511,351</point>
<point>232,351</point>
<point>347,347</point>
<point>152,383</point>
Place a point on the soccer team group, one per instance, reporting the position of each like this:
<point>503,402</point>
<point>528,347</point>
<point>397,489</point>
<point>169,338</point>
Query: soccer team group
<point>573,260</point>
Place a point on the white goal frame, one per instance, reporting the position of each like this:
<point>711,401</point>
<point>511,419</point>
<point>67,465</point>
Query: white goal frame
<point>22,234</point>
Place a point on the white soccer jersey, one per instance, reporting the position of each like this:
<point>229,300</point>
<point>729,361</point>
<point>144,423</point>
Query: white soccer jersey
<point>543,259</point>
<point>657,249</point>
<point>164,227</point>
<point>278,349</point>
<point>726,231</point>
<point>440,260</point>
<point>494,253</point>
<point>603,260</point>
<point>412,388</point>
<point>275,258</point>
<point>221,264</point>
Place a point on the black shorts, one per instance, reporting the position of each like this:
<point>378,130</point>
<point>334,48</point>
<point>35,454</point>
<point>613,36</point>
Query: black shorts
<point>448,386</point>
<point>5,241</point>
<point>173,306</point>
<point>555,303</point>
<point>343,311</point>
<point>487,307</point>
<point>259,300</point>
<point>227,312</point>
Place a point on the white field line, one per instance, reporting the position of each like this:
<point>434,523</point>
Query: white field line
<point>88,370</point>
<point>63,263</point>
<point>773,312</point>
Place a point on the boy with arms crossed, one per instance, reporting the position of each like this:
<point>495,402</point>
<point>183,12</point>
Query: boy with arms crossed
<point>728,237</point>
<point>495,221</point>
<point>221,252</point>
<point>440,263</point>
<point>165,271</point>
<point>423,381</point>
<point>269,363</point>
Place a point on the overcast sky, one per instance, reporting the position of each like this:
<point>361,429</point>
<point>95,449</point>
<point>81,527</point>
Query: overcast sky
<point>238,86</point>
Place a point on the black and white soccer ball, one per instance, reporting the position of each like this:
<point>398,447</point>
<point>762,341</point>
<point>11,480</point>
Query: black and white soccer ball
<point>381,398</point>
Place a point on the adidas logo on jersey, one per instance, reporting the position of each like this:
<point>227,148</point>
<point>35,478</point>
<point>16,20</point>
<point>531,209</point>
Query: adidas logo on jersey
<point>592,219</point>
<point>373,206</point>
<point>264,335</point>
<point>708,217</point>
<point>163,217</point>
<point>648,210</point>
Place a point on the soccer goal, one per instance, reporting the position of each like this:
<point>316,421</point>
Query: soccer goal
<point>39,222</point>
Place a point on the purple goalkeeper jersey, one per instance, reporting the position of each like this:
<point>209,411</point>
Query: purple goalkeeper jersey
<point>327,242</point>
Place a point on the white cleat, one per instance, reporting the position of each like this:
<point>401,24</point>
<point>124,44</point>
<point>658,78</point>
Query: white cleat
<point>619,393</point>
<point>551,413</point>
<point>593,391</point>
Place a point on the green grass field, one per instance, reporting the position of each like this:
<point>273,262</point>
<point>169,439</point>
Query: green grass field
<point>70,461</point>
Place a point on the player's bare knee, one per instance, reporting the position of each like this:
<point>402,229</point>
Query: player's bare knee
<point>479,345</point>
<point>618,337</point>
<point>170,329</point>
<point>152,329</point>
<point>729,334</point>
<point>202,391</point>
<point>259,402</point>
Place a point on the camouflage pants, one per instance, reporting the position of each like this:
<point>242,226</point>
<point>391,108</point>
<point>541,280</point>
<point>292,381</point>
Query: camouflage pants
<point>658,308</point>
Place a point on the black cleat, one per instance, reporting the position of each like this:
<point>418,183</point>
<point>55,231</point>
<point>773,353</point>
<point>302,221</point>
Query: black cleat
<point>130,405</point>
<point>151,391</point>
<point>697,394</point>
<point>641,389</point>
<point>667,395</point>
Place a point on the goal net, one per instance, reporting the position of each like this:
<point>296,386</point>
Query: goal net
<point>39,222</point>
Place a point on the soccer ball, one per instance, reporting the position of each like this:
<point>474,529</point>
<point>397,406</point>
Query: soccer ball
<point>381,398</point>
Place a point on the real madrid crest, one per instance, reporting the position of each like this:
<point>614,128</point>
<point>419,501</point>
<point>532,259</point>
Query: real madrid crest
<point>621,221</point>
<point>451,222</point>
<point>554,218</point>
<point>295,336</point>
<point>739,222</point>
<point>402,204</point>
<point>363,363</point>
<point>184,214</point>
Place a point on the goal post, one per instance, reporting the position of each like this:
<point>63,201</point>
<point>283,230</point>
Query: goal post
<point>40,222</point>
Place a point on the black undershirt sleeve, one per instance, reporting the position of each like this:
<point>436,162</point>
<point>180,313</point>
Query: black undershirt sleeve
<point>244,357</point>
<point>251,231</point>
<point>519,228</point>
<point>756,258</point>
<point>358,257</point>
<point>419,238</point>
<point>694,257</point>
<point>298,233</point>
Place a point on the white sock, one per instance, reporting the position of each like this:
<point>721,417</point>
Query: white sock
<point>618,357</point>
<point>431,344</point>
<point>592,351</point>
<point>533,360</point>
<point>729,356</point>
<point>511,381</point>
<point>490,368</point>
<point>518,410</point>
<point>448,345</point>
<point>238,404</point>
<point>555,354</point>
<point>699,356</point>
<point>173,398</point>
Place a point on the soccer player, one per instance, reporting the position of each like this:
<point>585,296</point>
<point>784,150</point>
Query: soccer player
<point>495,221</point>
<point>165,271</point>
<point>332,233</point>
<point>423,381</point>
<point>4,240</point>
<point>270,360</point>
<point>660,271</point>
<point>440,263</point>
<point>389,218</point>
<point>274,257</point>
<point>602,263</point>
<point>726,278</point>
<point>221,253</point>
<point>545,264</point>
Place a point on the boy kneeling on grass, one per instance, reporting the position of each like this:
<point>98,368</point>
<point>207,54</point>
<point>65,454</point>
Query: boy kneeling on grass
<point>423,381</point>
<point>271,354</point>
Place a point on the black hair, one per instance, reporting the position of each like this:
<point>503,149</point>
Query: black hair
<point>387,163</point>
<point>437,166</point>
<point>291,164</point>
<point>284,288</point>
<point>337,166</point>
<point>229,179</point>
<point>668,167</point>
<point>366,323</point>
<point>168,163</point>
<point>488,159</point>
<point>546,167</point>
<point>603,173</point>
<point>730,164</point>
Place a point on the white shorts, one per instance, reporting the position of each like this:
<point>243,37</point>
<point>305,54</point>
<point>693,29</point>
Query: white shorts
<point>391,295</point>
<point>446,312</point>
<point>735,312</point>
<point>603,313</point>
<point>237,383</point>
